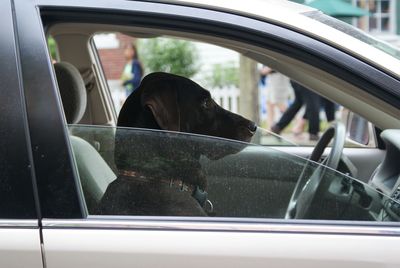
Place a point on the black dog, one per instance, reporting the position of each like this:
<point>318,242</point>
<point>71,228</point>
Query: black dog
<point>159,172</point>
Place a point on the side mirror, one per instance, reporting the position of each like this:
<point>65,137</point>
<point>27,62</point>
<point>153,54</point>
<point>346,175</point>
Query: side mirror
<point>358,129</point>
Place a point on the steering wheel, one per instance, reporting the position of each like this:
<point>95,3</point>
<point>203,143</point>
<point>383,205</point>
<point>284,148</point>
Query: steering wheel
<point>307,186</point>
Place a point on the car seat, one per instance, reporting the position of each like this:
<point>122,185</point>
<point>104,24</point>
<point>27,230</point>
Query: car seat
<point>95,174</point>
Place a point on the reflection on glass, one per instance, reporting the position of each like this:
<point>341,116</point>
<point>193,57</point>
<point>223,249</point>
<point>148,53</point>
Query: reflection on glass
<point>358,129</point>
<point>385,6</point>
<point>373,6</point>
<point>385,24</point>
<point>356,33</point>
<point>161,173</point>
<point>373,26</point>
<point>266,137</point>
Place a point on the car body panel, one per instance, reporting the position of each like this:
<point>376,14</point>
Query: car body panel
<point>20,247</point>
<point>122,247</point>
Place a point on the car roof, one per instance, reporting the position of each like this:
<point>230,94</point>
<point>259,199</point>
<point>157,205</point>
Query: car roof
<point>256,7</point>
<point>297,17</point>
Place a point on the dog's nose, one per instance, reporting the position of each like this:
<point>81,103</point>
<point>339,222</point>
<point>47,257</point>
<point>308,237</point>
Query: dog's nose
<point>252,127</point>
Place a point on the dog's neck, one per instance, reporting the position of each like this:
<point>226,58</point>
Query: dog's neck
<point>194,190</point>
<point>172,183</point>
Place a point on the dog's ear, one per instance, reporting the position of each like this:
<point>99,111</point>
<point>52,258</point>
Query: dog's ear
<point>163,103</point>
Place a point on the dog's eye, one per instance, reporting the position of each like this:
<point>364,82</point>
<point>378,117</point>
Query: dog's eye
<point>206,104</point>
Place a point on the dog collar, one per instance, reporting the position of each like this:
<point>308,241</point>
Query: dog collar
<point>170,182</point>
<point>197,193</point>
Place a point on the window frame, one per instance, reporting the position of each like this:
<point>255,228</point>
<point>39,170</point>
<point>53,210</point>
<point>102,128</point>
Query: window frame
<point>102,79</point>
<point>15,154</point>
<point>282,40</point>
<point>56,178</point>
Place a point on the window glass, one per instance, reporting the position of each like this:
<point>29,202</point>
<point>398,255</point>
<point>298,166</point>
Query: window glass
<point>163,173</point>
<point>145,171</point>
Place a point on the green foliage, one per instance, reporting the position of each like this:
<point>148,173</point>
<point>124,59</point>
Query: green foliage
<point>169,55</point>
<point>52,47</point>
<point>224,75</point>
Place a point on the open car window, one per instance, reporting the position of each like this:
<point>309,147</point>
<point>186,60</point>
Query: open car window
<point>143,172</point>
<point>296,112</point>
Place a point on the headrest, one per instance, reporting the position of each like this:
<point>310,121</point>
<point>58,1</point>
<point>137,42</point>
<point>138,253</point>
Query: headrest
<point>72,91</point>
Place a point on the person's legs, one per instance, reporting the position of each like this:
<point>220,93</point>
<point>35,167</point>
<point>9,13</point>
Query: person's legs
<point>298,128</point>
<point>270,114</point>
<point>312,112</point>
<point>291,112</point>
<point>329,108</point>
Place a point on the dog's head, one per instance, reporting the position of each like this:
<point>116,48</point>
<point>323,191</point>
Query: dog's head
<point>174,103</point>
<point>179,104</point>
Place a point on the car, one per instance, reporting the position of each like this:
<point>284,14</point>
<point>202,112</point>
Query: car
<point>267,205</point>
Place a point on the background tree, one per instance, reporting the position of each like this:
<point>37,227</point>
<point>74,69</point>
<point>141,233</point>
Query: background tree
<point>226,74</point>
<point>169,55</point>
<point>52,48</point>
<point>248,102</point>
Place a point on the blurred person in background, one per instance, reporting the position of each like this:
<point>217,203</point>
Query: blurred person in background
<point>278,92</point>
<point>303,96</point>
<point>133,70</point>
<point>329,108</point>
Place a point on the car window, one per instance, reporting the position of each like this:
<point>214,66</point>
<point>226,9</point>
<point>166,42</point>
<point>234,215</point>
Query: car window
<point>215,68</point>
<point>289,113</point>
<point>163,173</point>
<point>297,116</point>
<point>248,103</point>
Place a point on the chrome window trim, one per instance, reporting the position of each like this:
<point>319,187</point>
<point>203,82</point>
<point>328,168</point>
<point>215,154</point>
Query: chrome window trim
<point>195,224</point>
<point>4,223</point>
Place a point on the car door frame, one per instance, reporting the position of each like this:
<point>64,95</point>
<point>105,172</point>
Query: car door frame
<point>314,52</point>
<point>20,241</point>
<point>56,177</point>
<point>69,234</point>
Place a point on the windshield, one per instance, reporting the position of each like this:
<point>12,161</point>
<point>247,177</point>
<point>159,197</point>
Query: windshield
<point>354,32</point>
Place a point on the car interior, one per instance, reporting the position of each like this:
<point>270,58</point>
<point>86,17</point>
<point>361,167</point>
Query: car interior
<point>91,118</point>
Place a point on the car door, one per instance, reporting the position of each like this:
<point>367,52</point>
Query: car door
<point>246,226</point>
<point>71,237</point>
<point>20,243</point>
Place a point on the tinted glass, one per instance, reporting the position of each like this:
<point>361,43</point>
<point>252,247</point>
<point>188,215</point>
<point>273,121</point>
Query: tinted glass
<point>128,171</point>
